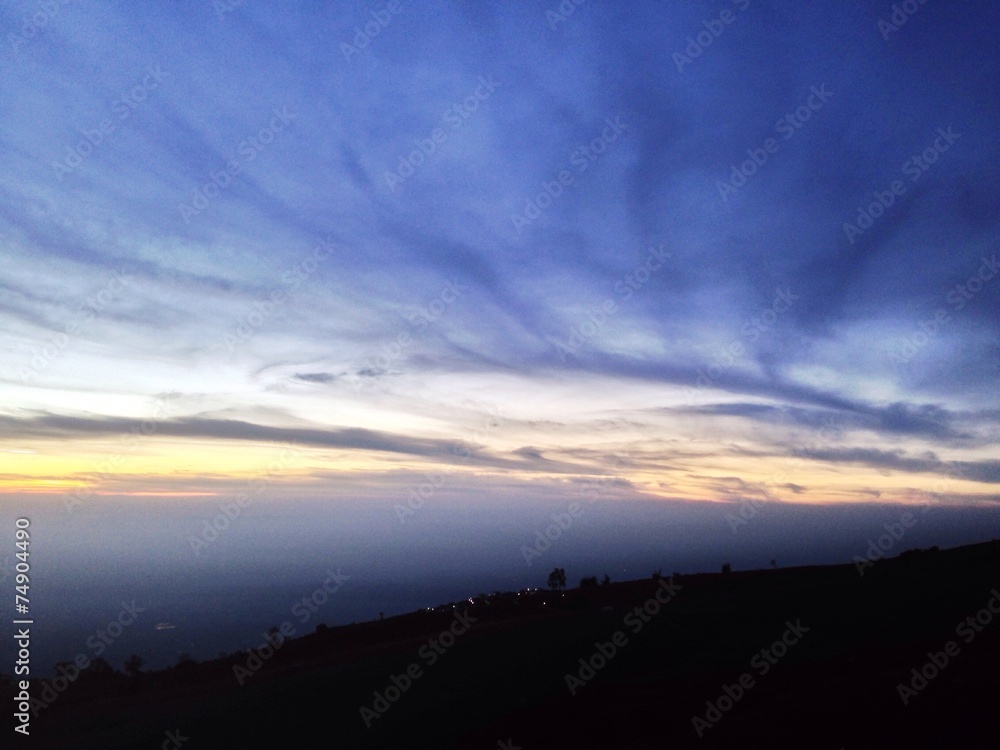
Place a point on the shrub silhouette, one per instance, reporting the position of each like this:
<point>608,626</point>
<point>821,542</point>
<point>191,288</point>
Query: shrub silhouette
<point>557,579</point>
<point>133,665</point>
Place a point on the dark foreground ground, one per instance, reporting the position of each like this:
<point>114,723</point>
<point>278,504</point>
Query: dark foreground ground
<point>807,658</point>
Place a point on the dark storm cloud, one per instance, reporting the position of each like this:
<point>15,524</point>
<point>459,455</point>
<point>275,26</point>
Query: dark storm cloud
<point>49,426</point>
<point>918,420</point>
<point>315,377</point>
<point>58,425</point>
<point>974,471</point>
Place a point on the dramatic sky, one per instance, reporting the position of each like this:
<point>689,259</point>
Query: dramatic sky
<point>700,250</point>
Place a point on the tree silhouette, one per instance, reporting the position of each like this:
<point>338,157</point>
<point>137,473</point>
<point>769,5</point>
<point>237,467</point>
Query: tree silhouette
<point>588,582</point>
<point>557,579</point>
<point>606,581</point>
<point>98,672</point>
<point>100,668</point>
<point>726,568</point>
<point>133,665</point>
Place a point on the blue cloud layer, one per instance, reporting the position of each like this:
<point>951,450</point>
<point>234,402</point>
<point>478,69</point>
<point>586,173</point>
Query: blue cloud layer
<point>823,199</point>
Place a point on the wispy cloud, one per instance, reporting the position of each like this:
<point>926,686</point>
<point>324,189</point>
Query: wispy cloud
<point>273,145</point>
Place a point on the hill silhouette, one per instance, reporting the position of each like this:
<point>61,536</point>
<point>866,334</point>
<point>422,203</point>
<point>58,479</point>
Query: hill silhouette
<point>902,653</point>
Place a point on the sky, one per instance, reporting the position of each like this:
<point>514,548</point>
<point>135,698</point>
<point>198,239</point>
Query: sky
<point>701,252</point>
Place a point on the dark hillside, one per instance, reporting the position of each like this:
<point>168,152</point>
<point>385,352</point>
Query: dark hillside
<point>806,658</point>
